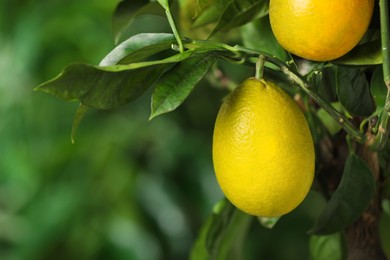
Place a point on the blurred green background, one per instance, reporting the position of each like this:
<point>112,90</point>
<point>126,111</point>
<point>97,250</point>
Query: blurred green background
<point>128,188</point>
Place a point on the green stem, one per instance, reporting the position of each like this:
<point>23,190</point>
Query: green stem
<point>260,67</point>
<point>340,118</point>
<point>174,29</point>
<point>383,128</point>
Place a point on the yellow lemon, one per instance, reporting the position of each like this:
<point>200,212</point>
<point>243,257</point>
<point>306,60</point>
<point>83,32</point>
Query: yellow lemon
<point>317,29</point>
<point>263,152</point>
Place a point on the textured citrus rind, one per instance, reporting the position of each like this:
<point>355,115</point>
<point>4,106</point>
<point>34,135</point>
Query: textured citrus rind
<point>320,30</point>
<point>263,152</point>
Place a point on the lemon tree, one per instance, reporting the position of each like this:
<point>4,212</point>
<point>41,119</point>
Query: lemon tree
<point>312,115</point>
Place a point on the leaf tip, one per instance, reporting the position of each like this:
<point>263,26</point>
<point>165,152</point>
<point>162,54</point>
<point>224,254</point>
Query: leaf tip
<point>153,115</point>
<point>40,87</point>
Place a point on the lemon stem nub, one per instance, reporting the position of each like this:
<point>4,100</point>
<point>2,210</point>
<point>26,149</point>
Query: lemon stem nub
<point>260,67</point>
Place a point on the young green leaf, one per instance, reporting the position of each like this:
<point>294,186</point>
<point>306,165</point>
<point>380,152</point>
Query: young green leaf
<point>348,201</point>
<point>223,234</point>
<point>138,47</point>
<point>175,86</point>
<point>127,11</point>
<point>258,35</point>
<point>240,12</point>
<point>327,247</point>
<point>353,91</point>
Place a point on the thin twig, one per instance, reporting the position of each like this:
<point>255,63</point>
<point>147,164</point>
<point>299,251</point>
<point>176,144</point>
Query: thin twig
<point>174,29</point>
<point>384,124</point>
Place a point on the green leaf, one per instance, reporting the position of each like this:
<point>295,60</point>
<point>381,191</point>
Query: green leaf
<point>138,47</point>
<point>201,5</point>
<point>369,53</point>
<point>108,87</point>
<point>330,124</point>
<point>164,3</point>
<point>353,91</point>
<point>326,86</point>
<point>327,247</point>
<point>386,206</point>
<point>223,234</point>
<point>80,113</point>
<point>258,35</point>
<point>127,11</point>
<point>240,12</point>
<point>100,88</point>
<point>349,200</point>
<point>378,87</point>
<point>175,86</point>
<point>211,13</point>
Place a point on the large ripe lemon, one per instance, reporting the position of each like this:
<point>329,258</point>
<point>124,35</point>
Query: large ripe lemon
<point>263,152</point>
<point>320,30</point>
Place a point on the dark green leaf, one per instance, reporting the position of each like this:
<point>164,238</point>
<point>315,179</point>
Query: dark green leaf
<point>223,234</point>
<point>378,87</point>
<point>326,86</point>
<point>138,47</point>
<point>326,247</point>
<point>258,35</point>
<point>127,11</point>
<point>240,12</point>
<point>100,88</point>
<point>108,87</point>
<point>175,86</point>
<point>353,91</point>
<point>369,53</point>
<point>349,200</point>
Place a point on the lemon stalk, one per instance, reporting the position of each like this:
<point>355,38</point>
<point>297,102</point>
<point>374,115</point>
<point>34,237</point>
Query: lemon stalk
<point>260,67</point>
<point>384,124</point>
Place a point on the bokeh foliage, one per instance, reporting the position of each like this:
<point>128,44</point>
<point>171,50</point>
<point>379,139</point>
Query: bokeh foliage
<point>128,188</point>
